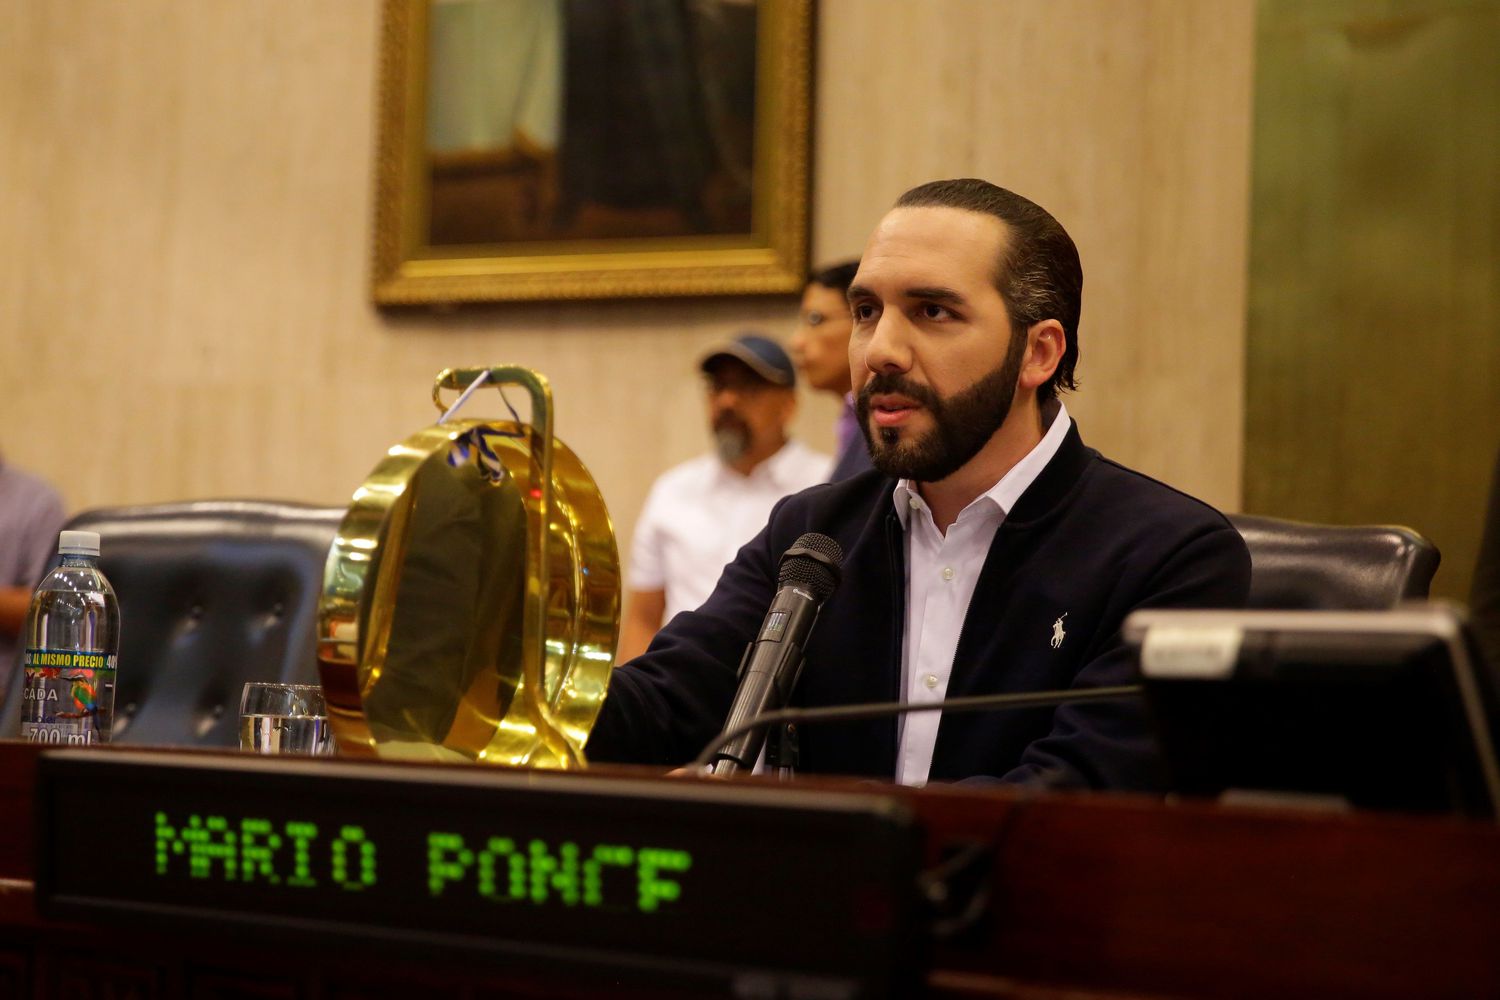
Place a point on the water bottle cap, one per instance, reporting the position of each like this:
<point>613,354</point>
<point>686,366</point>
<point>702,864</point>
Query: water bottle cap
<point>78,543</point>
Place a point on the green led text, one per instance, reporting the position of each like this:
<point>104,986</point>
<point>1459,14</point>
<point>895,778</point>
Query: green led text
<point>297,854</point>
<point>255,850</point>
<point>539,873</point>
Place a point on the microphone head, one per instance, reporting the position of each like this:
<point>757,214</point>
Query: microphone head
<point>813,563</point>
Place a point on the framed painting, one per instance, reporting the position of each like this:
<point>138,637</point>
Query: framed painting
<point>569,149</point>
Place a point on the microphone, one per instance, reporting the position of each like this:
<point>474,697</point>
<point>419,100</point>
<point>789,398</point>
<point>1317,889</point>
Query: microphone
<point>809,571</point>
<point>880,709</point>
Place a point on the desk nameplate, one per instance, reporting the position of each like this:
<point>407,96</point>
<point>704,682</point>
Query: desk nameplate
<point>740,885</point>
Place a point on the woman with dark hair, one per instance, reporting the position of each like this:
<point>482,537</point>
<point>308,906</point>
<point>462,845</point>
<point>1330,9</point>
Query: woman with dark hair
<point>820,349</point>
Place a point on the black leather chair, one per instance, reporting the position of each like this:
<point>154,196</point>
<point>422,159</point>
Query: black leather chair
<point>1324,567</point>
<point>212,594</point>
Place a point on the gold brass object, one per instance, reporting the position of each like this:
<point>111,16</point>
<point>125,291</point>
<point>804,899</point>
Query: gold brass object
<point>766,256</point>
<point>471,600</point>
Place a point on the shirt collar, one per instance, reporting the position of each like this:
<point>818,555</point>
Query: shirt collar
<point>1004,494</point>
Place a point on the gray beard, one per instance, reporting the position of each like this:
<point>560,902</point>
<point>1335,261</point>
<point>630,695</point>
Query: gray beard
<point>731,442</point>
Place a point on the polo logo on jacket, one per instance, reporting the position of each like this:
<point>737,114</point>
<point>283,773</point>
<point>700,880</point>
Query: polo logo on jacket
<point>1058,635</point>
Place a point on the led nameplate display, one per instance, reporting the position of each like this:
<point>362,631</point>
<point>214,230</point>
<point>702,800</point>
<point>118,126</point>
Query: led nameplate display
<point>675,872</point>
<point>299,855</point>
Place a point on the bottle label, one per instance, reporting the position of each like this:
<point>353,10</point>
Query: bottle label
<point>62,693</point>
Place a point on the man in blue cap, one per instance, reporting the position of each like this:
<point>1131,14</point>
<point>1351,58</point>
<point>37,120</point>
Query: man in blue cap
<point>699,514</point>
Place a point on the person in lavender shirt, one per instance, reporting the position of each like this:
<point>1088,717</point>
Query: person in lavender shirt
<point>31,515</point>
<point>820,349</point>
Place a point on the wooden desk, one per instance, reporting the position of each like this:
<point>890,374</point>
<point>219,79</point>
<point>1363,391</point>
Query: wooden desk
<point>1091,896</point>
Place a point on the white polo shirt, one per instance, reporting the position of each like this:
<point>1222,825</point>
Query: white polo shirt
<point>942,571</point>
<point>699,513</point>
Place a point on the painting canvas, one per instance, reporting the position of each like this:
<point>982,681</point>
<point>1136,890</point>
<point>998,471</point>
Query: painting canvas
<point>575,148</point>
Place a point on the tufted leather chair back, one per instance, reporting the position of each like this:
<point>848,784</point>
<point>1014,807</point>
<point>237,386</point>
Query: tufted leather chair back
<point>212,594</point>
<point>1324,567</point>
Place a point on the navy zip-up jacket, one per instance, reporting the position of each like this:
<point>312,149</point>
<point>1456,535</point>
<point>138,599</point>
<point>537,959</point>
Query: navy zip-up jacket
<point>1088,538</point>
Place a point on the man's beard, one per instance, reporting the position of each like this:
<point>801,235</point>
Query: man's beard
<point>731,437</point>
<point>962,423</point>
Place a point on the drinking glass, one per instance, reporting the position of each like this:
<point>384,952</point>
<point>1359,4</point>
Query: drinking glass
<point>284,718</point>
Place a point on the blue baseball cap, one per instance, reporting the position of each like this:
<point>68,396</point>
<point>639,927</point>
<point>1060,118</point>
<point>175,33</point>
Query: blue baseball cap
<point>761,354</point>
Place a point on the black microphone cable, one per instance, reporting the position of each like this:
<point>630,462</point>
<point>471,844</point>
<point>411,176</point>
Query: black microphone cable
<point>880,709</point>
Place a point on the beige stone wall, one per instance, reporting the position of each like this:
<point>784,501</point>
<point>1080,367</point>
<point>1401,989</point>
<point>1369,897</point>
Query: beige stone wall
<point>185,194</point>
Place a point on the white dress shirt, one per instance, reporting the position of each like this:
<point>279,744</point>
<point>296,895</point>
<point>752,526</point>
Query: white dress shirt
<point>942,571</point>
<point>699,514</point>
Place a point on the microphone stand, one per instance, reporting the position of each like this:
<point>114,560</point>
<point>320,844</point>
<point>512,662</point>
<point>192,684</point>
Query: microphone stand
<point>782,751</point>
<point>789,717</point>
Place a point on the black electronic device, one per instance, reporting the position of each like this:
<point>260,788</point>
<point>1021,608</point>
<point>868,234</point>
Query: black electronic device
<point>582,875</point>
<point>1374,709</point>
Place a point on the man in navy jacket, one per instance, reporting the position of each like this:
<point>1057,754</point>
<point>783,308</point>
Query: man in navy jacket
<point>990,551</point>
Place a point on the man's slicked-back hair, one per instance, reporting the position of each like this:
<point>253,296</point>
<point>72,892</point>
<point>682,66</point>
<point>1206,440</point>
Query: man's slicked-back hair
<point>1038,275</point>
<point>836,276</point>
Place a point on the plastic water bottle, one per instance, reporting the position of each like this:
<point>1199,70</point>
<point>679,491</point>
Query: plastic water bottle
<point>72,642</point>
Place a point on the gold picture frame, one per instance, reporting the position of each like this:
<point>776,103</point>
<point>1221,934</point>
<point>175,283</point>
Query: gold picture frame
<point>769,256</point>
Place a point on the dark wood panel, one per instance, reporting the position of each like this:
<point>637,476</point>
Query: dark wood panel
<point>72,971</point>
<point>1089,896</point>
<point>15,974</point>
